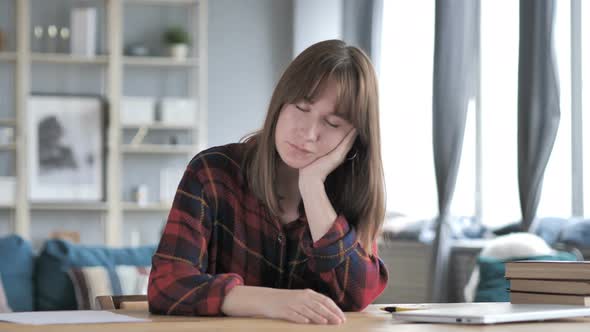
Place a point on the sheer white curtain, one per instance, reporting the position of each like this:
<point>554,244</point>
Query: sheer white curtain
<point>463,203</point>
<point>406,115</point>
<point>556,194</point>
<point>407,48</point>
<point>586,102</point>
<point>499,87</point>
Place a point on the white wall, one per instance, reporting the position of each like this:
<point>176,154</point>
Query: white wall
<point>315,21</point>
<point>250,44</point>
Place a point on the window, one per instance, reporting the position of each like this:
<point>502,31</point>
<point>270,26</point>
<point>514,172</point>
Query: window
<point>585,13</point>
<point>556,194</point>
<point>406,117</point>
<point>499,95</point>
<point>406,107</point>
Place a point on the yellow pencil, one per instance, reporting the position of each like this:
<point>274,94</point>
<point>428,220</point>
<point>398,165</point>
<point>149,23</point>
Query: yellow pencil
<point>403,308</point>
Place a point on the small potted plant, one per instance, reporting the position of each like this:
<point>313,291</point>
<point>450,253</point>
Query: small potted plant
<point>177,40</point>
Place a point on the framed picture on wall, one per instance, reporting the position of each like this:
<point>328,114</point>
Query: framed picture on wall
<point>66,148</point>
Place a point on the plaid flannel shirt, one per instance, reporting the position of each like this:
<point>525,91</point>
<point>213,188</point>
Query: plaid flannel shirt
<point>219,235</point>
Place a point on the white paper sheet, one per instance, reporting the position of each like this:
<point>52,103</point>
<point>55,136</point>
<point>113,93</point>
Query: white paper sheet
<point>68,317</point>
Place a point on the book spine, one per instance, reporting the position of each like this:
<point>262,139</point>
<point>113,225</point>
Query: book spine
<point>535,298</point>
<point>550,286</point>
<point>75,31</point>
<point>90,31</point>
<point>83,31</point>
<point>546,274</point>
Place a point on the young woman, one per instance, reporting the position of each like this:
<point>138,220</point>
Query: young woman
<point>284,224</point>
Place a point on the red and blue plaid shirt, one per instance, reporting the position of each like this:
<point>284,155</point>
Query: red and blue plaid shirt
<point>219,235</point>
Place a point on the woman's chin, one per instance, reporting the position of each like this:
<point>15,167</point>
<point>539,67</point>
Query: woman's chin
<point>297,163</point>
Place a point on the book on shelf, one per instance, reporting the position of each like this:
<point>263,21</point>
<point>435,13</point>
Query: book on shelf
<point>83,31</point>
<point>560,270</point>
<point>544,298</point>
<point>551,286</point>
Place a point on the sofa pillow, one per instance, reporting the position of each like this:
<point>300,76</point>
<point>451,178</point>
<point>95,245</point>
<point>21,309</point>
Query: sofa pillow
<point>576,233</point>
<point>54,288</point>
<point>90,282</point>
<point>493,286</point>
<point>548,228</point>
<point>16,267</point>
<point>4,307</point>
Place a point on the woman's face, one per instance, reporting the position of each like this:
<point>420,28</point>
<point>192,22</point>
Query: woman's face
<point>310,129</point>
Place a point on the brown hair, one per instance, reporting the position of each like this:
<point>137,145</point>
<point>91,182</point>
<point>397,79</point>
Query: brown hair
<point>355,188</point>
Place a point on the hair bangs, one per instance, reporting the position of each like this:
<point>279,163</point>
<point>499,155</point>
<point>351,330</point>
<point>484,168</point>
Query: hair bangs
<point>307,87</point>
<point>347,103</point>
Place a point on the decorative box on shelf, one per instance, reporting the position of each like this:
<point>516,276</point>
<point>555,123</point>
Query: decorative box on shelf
<point>178,111</point>
<point>83,22</point>
<point>137,111</point>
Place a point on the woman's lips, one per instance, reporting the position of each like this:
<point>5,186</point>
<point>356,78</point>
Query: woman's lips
<point>298,148</point>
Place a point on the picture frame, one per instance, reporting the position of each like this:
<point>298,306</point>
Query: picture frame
<point>66,156</point>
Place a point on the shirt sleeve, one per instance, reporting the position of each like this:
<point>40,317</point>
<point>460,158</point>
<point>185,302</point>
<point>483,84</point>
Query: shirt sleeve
<point>346,272</point>
<point>179,283</point>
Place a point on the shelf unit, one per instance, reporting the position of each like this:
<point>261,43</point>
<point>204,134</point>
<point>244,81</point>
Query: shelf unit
<point>7,147</point>
<point>7,122</point>
<point>162,2</point>
<point>74,206</point>
<point>114,63</point>
<point>68,59</point>
<point>154,207</point>
<point>160,62</point>
<point>158,126</point>
<point>7,56</point>
<point>158,149</point>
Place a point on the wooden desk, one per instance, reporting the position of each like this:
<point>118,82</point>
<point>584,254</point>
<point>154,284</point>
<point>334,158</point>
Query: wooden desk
<point>372,319</point>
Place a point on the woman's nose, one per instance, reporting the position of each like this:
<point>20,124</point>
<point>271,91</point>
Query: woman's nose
<point>310,130</point>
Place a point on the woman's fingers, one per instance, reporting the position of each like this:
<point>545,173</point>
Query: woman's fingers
<point>326,313</point>
<point>329,304</point>
<point>306,306</point>
<point>295,317</point>
<point>312,314</point>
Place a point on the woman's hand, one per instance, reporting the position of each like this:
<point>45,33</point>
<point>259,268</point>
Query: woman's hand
<point>323,166</point>
<point>303,306</point>
<point>318,208</point>
<point>295,305</point>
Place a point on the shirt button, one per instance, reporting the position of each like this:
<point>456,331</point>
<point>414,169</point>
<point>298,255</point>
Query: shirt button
<point>280,238</point>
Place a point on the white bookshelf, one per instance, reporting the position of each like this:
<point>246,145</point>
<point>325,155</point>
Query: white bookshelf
<point>159,61</point>
<point>74,206</point>
<point>7,147</point>
<point>68,59</point>
<point>158,126</point>
<point>166,2</point>
<point>7,56</point>
<point>114,65</point>
<point>158,149</point>
<point>153,207</point>
<point>7,122</point>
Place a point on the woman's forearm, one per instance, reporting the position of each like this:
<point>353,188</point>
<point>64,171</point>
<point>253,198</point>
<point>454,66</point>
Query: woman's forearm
<point>296,305</point>
<point>240,301</point>
<point>318,209</point>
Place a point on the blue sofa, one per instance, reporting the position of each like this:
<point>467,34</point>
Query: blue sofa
<point>40,282</point>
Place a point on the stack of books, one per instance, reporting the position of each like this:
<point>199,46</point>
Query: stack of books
<point>549,282</point>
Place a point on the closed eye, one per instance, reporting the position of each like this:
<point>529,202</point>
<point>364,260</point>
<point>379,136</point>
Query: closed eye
<point>302,109</point>
<point>333,125</point>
